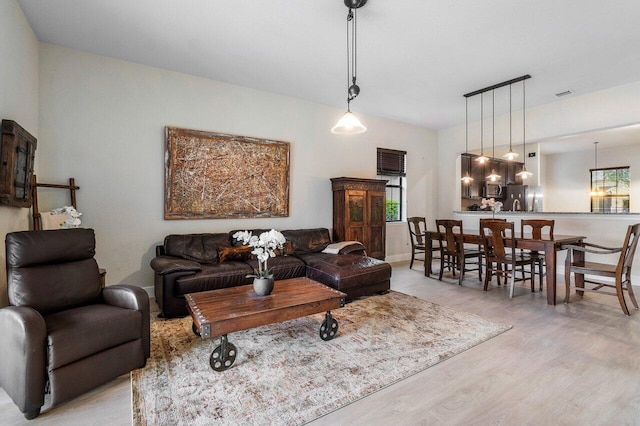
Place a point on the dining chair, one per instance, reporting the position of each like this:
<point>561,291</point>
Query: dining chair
<point>619,272</point>
<point>501,257</point>
<point>489,219</point>
<point>453,253</point>
<point>539,229</point>
<point>417,231</point>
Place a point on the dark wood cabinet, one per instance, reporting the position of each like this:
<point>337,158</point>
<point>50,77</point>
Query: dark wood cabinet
<point>17,155</point>
<point>477,188</point>
<point>359,213</point>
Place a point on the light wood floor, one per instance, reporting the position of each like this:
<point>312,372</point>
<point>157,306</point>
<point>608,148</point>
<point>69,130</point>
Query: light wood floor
<point>573,364</point>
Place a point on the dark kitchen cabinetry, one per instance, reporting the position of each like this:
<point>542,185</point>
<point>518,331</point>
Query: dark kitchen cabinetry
<point>513,168</point>
<point>474,189</point>
<point>477,189</point>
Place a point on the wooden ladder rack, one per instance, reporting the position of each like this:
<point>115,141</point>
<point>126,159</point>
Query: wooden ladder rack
<point>72,187</point>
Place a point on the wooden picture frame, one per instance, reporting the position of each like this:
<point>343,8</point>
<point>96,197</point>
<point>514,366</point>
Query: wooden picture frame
<point>219,176</point>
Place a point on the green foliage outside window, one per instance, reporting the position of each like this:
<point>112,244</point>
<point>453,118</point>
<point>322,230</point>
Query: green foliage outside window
<point>393,210</point>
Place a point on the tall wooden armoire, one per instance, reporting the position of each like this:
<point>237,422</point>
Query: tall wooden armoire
<point>359,213</point>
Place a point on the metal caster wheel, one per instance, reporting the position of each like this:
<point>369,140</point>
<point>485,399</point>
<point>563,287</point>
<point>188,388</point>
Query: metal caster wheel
<point>329,328</point>
<point>223,356</point>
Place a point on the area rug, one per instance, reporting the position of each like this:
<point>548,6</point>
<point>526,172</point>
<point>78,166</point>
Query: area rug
<point>285,374</point>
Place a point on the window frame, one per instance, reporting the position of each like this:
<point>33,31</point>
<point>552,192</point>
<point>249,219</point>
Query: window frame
<point>598,202</point>
<point>392,163</point>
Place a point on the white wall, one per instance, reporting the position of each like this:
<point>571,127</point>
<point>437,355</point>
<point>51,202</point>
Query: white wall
<point>568,176</point>
<point>102,122</point>
<point>18,102</point>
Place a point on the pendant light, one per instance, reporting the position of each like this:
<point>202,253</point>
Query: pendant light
<point>598,192</point>
<point>481,159</point>
<point>349,123</point>
<point>467,179</point>
<point>493,177</point>
<point>524,173</point>
<point>510,156</point>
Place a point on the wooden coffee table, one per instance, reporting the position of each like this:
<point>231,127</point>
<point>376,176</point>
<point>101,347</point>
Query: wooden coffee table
<point>218,312</point>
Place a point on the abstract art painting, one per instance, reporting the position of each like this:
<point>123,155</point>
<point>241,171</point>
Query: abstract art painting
<point>215,176</point>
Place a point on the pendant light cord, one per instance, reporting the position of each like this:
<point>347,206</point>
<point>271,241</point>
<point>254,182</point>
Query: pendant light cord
<point>493,125</point>
<point>510,149</point>
<point>524,140</point>
<point>349,18</point>
<point>466,135</point>
<point>355,45</point>
<point>352,54</point>
<point>482,124</point>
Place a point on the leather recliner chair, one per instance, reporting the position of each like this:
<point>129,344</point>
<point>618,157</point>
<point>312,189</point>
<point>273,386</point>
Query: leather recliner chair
<point>62,330</point>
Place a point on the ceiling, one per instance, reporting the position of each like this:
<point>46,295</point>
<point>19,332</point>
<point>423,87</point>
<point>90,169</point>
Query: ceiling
<point>416,58</point>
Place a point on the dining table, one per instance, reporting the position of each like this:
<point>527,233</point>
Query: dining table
<point>550,247</point>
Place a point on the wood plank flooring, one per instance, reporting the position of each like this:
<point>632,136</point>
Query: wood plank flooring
<point>572,364</point>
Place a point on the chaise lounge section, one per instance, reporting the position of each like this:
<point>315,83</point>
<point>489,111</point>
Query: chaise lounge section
<point>191,263</point>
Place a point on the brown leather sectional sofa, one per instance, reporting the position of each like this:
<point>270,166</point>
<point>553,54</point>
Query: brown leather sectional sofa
<point>190,263</point>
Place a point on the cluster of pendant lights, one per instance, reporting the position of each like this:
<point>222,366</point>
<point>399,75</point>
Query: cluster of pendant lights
<point>511,155</point>
<point>349,123</point>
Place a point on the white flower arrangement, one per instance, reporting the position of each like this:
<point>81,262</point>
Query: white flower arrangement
<point>73,216</point>
<point>491,204</point>
<point>263,247</point>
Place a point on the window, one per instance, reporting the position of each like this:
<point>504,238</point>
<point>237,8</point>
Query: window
<point>392,166</point>
<point>610,190</point>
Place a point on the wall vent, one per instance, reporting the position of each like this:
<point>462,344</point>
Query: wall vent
<point>565,93</point>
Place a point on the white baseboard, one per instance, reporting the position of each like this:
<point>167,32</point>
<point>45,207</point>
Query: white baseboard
<point>398,258</point>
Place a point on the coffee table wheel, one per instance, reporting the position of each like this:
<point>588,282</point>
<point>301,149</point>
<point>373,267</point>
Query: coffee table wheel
<point>224,355</point>
<point>195,329</point>
<point>329,327</point>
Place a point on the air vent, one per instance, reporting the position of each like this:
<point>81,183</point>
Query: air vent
<point>565,93</point>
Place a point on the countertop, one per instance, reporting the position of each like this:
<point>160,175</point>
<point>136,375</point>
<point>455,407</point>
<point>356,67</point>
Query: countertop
<point>509,213</point>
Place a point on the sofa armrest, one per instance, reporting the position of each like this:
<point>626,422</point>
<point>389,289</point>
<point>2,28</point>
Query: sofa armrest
<point>23,350</point>
<point>134,298</point>
<point>163,265</point>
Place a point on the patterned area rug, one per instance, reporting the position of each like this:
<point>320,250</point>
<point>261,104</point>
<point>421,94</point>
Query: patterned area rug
<point>285,374</point>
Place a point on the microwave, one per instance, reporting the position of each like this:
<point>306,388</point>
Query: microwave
<point>494,190</point>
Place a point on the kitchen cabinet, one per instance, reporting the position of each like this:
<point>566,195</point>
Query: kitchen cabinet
<point>474,189</point>
<point>477,189</point>
<point>359,213</point>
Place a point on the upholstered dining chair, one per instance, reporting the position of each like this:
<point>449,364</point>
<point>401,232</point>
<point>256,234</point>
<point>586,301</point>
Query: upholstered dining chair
<point>619,273</point>
<point>453,253</point>
<point>417,229</point>
<point>501,257</point>
<point>539,229</point>
<point>62,332</point>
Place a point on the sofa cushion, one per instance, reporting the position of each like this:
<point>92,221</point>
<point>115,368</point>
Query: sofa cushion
<point>239,253</point>
<point>58,267</point>
<point>345,271</point>
<point>81,332</point>
<point>308,240</point>
<point>201,248</point>
<point>214,276</point>
<point>283,267</point>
